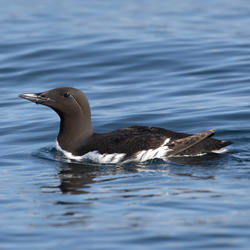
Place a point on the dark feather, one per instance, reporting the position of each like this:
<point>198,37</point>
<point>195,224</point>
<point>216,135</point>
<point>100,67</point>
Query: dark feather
<point>137,138</point>
<point>181,145</point>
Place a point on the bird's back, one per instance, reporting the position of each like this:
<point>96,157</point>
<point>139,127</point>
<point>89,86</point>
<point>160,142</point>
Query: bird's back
<point>135,139</point>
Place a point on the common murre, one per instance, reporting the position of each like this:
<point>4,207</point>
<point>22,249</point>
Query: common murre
<point>77,139</point>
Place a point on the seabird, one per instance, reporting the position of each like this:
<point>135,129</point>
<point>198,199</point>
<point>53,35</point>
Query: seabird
<point>77,139</point>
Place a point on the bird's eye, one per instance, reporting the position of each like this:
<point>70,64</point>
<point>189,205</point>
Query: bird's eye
<point>67,94</point>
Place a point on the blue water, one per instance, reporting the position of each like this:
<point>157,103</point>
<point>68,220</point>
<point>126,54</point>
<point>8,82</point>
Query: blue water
<point>181,65</point>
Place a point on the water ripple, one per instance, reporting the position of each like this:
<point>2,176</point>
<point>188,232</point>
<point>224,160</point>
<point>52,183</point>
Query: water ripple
<point>182,65</point>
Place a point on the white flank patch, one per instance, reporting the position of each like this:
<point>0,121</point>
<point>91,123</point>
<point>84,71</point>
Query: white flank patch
<point>141,156</point>
<point>150,154</point>
<point>94,156</point>
<point>220,151</point>
<point>181,156</point>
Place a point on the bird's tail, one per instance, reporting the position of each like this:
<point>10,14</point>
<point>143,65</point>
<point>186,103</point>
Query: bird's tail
<point>196,144</point>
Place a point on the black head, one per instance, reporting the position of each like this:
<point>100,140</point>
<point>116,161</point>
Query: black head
<point>73,108</point>
<point>66,101</point>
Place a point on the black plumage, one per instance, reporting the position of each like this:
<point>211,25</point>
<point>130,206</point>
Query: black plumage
<point>76,134</point>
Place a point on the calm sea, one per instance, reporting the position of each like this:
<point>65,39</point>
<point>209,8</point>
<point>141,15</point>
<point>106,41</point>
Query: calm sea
<point>181,65</point>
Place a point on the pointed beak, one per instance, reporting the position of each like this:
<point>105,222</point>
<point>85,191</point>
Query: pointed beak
<point>38,98</point>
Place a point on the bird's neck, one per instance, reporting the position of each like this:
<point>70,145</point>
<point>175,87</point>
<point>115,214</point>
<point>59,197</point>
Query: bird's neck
<point>74,131</point>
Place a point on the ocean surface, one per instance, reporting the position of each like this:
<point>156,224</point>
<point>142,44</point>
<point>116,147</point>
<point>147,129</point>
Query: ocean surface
<point>181,65</point>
